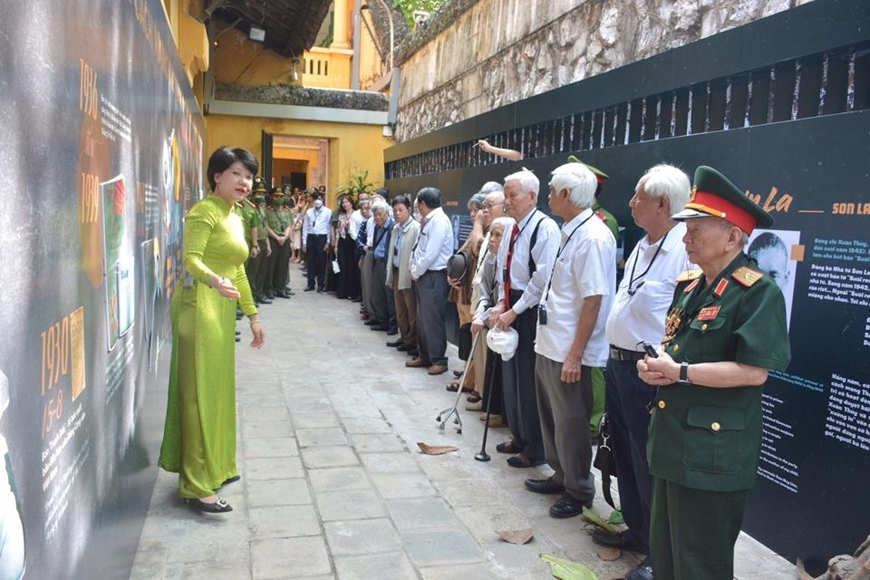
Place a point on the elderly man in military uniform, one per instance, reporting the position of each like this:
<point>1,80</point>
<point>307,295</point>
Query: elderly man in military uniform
<point>725,330</point>
<point>638,315</point>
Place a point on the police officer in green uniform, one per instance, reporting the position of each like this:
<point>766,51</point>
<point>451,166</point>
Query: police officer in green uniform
<point>275,230</point>
<point>247,211</point>
<point>726,328</point>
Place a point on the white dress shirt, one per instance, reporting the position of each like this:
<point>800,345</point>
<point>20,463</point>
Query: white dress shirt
<point>586,267</point>
<point>435,244</point>
<point>646,291</point>
<point>544,252</point>
<point>356,218</point>
<point>317,223</point>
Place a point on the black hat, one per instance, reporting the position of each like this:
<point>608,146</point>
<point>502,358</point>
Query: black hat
<point>714,195</point>
<point>457,266</point>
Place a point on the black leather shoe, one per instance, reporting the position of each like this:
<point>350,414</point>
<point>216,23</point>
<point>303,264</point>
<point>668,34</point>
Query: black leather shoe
<point>642,572</point>
<point>393,332</point>
<point>321,290</point>
<point>405,347</point>
<point>308,289</point>
<point>282,295</point>
<point>395,344</point>
<point>270,295</point>
<point>413,352</point>
<point>622,540</point>
<point>264,300</point>
<point>378,327</point>
<point>543,486</point>
<point>219,507</point>
<point>371,322</point>
<point>568,506</point>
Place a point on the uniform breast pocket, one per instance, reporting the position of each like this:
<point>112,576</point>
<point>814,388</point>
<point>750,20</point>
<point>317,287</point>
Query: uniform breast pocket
<point>715,440</point>
<point>709,339</point>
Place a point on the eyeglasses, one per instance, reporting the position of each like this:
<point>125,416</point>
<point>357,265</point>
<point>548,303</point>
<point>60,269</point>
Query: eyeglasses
<point>491,205</point>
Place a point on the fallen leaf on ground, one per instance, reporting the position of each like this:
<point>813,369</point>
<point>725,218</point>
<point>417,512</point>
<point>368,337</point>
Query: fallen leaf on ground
<point>593,518</point>
<point>517,537</point>
<point>609,554</point>
<point>567,570</point>
<point>436,449</point>
<point>616,517</point>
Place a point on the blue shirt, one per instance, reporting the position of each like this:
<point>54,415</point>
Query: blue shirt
<point>381,244</point>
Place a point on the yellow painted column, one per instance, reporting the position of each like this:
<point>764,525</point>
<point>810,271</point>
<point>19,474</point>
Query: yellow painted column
<point>341,25</point>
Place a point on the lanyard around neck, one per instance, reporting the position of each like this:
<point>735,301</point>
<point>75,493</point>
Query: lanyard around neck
<point>559,253</point>
<point>632,278</point>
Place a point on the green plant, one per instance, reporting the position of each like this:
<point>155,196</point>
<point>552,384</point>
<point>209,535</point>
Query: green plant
<point>408,7</point>
<point>356,186</point>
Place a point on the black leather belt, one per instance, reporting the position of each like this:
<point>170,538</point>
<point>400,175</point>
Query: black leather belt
<point>621,354</point>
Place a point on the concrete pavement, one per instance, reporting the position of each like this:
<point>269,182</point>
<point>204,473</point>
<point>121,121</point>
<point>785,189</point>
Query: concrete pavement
<point>334,487</point>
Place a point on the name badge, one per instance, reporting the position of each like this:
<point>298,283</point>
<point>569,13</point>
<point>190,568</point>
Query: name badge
<point>709,313</point>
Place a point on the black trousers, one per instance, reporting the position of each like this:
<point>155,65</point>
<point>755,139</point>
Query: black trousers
<point>316,259</point>
<point>626,401</point>
<point>348,278</point>
<point>520,397</point>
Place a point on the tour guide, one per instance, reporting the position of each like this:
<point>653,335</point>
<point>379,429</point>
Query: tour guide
<point>725,329</point>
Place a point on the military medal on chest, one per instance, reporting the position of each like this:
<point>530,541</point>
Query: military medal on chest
<point>672,323</point>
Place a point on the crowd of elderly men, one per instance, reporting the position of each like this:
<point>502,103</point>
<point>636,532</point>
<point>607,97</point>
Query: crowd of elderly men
<point>556,288</point>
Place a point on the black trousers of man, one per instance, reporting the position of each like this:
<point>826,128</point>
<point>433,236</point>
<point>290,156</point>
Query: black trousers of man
<point>252,269</point>
<point>282,268</point>
<point>316,260</point>
<point>520,396</point>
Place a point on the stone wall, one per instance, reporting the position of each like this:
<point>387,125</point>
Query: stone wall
<point>503,51</point>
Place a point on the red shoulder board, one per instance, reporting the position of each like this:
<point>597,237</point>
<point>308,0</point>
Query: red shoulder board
<point>691,286</point>
<point>601,216</point>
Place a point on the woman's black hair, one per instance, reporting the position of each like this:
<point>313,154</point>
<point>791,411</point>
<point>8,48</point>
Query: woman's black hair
<point>223,157</point>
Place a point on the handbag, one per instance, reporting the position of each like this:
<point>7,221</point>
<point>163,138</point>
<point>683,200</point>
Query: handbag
<point>335,267</point>
<point>604,460</point>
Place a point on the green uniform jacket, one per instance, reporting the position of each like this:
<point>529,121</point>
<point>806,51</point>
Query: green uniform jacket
<point>274,221</point>
<point>608,219</point>
<point>248,212</point>
<point>707,438</point>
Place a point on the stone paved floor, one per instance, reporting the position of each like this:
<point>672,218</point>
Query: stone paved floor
<point>333,485</point>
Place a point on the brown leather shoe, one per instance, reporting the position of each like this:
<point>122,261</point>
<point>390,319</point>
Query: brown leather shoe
<point>415,363</point>
<point>437,369</point>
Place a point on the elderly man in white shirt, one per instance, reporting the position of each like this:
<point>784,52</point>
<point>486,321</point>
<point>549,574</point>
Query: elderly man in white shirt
<point>571,339</point>
<point>524,260</point>
<point>638,315</point>
<point>429,273</point>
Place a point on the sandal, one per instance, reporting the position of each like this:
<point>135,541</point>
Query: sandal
<point>508,447</point>
<point>474,397</point>
<point>454,386</point>
<point>519,461</point>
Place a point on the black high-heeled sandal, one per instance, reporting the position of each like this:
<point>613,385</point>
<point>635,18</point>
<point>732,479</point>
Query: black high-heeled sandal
<point>219,507</point>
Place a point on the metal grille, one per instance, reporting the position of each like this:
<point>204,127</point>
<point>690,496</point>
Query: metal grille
<point>827,83</point>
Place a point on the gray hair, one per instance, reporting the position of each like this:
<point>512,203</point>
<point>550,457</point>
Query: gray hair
<point>491,186</point>
<point>505,222</point>
<point>476,201</point>
<point>669,182</point>
<point>580,182</point>
<point>528,180</point>
<point>379,206</point>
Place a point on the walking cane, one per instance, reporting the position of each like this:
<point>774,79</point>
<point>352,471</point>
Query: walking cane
<point>483,455</point>
<point>452,411</point>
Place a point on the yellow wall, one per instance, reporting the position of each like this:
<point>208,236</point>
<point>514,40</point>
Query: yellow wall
<point>353,149</point>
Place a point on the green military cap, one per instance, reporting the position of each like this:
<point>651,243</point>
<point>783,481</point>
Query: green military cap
<point>259,185</point>
<point>714,195</point>
<point>277,191</point>
<point>599,175</point>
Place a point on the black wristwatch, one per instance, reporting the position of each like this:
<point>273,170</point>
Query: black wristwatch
<point>684,373</point>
